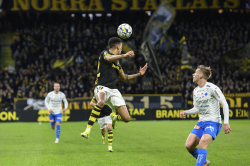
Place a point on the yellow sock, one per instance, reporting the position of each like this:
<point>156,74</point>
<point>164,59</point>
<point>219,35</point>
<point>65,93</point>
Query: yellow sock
<point>110,137</point>
<point>94,114</point>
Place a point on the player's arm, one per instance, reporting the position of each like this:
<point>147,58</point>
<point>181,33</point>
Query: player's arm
<point>65,103</point>
<point>221,98</point>
<point>112,58</point>
<point>47,99</point>
<point>93,102</point>
<point>126,77</point>
<point>194,110</point>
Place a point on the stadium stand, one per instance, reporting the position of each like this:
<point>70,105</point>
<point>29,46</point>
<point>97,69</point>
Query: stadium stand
<point>40,40</point>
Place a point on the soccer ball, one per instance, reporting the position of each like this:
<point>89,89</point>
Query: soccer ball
<point>124,31</point>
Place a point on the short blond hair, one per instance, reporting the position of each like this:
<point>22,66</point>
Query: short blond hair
<point>206,71</point>
<point>56,83</point>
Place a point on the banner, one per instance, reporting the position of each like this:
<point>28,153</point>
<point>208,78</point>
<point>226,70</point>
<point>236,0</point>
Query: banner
<point>148,53</point>
<point>159,23</point>
<point>63,63</point>
<point>117,5</point>
<point>147,101</point>
<point>241,100</point>
<point>135,114</point>
<point>186,59</point>
<point>166,43</point>
<point>136,101</point>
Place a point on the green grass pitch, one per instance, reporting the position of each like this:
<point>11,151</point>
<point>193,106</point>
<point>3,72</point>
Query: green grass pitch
<point>139,143</point>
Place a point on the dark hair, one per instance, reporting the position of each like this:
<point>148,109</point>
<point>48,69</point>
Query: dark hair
<point>114,41</point>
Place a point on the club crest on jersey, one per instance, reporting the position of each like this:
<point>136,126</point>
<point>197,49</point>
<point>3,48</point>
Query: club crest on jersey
<point>206,94</point>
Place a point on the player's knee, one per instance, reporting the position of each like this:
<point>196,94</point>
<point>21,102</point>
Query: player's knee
<point>51,121</point>
<point>126,119</point>
<point>188,146</point>
<point>101,103</point>
<point>202,144</point>
<point>58,123</point>
<point>109,128</point>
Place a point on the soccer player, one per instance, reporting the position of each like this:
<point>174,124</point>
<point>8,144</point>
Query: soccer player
<point>104,121</point>
<point>53,102</point>
<point>108,71</point>
<point>207,98</point>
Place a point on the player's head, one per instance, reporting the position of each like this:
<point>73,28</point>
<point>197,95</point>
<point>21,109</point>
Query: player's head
<point>56,87</point>
<point>202,72</point>
<point>115,44</point>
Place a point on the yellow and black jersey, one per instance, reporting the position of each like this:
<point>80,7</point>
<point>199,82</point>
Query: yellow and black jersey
<point>106,110</point>
<point>107,72</point>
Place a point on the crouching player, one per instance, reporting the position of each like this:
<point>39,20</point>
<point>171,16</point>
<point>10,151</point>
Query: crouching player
<point>207,98</point>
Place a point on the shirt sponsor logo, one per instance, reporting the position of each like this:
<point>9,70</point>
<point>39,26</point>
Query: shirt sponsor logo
<point>203,101</point>
<point>206,94</point>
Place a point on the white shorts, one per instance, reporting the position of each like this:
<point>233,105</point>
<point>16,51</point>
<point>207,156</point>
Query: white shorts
<point>114,98</point>
<point>104,121</point>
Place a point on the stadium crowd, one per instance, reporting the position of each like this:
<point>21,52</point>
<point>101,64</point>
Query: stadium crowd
<point>40,40</point>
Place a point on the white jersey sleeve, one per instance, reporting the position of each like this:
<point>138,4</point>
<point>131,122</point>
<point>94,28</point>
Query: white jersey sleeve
<point>221,98</point>
<point>47,100</point>
<point>65,101</point>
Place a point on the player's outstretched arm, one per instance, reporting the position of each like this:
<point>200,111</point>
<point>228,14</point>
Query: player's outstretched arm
<point>126,77</point>
<point>194,110</point>
<point>112,58</point>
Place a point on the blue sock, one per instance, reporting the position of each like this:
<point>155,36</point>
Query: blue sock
<point>58,130</point>
<point>201,157</point>
<point>195,152</point>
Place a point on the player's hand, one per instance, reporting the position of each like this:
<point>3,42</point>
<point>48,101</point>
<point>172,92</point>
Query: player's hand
<point>129,54</point>
<point>143,70</point>
<point>183,116</point>
<point>64,110</point>
<point>50,111</point>
<point>227,128</point>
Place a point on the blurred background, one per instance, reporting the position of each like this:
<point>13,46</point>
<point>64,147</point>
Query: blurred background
<point>49,41</point>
